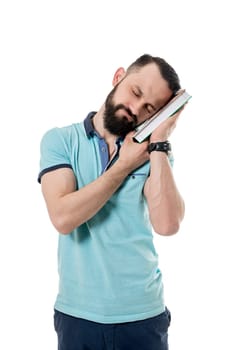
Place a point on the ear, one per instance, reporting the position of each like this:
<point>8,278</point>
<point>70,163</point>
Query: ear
<point>119,74</point>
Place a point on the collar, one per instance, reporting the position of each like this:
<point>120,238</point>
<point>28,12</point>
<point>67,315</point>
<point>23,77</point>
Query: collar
<point>89,128</point>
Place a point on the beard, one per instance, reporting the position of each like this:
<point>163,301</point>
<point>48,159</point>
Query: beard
<point>118,125</point>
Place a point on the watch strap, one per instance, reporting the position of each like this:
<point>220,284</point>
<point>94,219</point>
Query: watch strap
<point>164,146</point>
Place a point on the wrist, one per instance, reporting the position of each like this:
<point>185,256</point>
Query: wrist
<point>154,140</point>
<point>122,167</point>
<point>160,146</point>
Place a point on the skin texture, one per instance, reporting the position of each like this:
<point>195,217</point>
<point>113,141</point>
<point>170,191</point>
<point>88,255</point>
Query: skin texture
<point>142,92</point>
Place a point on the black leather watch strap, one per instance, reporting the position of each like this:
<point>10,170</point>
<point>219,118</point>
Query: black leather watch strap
<point>160,147</point>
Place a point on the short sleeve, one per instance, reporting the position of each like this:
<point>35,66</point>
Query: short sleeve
<point>54,152</point>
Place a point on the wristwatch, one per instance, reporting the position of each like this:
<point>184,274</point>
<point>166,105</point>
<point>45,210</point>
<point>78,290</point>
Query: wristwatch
<point>160,147</point>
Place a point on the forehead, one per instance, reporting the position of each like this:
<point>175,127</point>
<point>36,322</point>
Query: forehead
<point>151,82</point>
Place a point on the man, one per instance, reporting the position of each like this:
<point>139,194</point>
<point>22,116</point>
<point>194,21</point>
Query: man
<point>104,194</point>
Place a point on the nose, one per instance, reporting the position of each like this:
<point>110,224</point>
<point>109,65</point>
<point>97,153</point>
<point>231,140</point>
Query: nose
<point>135,108</point>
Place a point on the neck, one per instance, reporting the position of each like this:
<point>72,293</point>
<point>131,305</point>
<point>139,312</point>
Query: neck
<point>98,122</point>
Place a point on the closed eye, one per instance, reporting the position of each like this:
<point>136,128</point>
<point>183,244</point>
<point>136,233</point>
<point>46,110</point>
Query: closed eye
<point>136,93</point>
<point>150,109</point>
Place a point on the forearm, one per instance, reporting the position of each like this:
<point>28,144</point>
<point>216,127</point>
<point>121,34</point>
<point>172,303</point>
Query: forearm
<point>166,206</point>
<point>75,208</point>
<point>68,207</point>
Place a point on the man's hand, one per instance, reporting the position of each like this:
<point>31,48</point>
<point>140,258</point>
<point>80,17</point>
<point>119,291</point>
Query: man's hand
<point>165,129</point>
<point>133,154</point>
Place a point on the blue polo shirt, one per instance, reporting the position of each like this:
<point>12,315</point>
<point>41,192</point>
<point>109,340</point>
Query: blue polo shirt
<point>108,266</point>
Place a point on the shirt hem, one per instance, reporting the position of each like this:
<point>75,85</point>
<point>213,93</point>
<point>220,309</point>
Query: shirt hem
<point>111,318</point>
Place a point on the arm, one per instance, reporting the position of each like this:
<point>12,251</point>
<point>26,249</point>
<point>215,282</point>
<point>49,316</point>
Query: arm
<point>166,206</point>
<point>69,208</point>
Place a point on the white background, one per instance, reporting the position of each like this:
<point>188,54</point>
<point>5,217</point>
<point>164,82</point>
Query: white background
<point>56,64</point>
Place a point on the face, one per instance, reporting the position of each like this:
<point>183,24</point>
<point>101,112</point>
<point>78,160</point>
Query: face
<point>134,98</point>
<point>118,124</point>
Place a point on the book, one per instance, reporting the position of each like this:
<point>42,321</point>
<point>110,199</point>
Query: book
<point>144,130</point>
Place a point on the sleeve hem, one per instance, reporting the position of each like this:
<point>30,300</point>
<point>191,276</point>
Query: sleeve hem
<point>46,170</point>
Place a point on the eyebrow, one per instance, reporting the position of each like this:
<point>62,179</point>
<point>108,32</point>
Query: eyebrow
<point>141,94</point>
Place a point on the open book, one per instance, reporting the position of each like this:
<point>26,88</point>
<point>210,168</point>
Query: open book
<point>144,130</point>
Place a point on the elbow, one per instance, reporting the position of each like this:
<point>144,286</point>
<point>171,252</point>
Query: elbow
<point>168,224</point>
<point>167,228</point>
<point>61,227</point>
<point>63,230</point>
<point>62,224</point>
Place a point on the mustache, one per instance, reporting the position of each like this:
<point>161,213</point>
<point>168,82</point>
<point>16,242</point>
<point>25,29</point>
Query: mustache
<point>121,106</point>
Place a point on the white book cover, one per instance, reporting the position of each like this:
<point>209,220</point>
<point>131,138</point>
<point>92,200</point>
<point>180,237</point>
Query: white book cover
<point>145,129</point>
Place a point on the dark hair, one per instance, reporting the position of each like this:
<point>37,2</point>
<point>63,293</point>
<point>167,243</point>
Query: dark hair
<point>167,72</point>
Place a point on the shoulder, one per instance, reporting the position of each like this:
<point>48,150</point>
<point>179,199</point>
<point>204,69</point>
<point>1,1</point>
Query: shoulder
<point>61,135</point>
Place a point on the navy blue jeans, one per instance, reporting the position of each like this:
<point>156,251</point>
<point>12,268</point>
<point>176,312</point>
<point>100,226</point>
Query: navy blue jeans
<point>79,334</point>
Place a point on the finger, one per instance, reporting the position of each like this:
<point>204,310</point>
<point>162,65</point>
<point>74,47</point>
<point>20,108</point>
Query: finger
<point>175,116</point>
<point>130,133</point>
<point>180,110</point>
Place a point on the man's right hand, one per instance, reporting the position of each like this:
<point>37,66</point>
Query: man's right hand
<point>133,154</point>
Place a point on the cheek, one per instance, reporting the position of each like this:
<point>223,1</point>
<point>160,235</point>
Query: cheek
<point>122,97</point>
<point>142,119</point>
